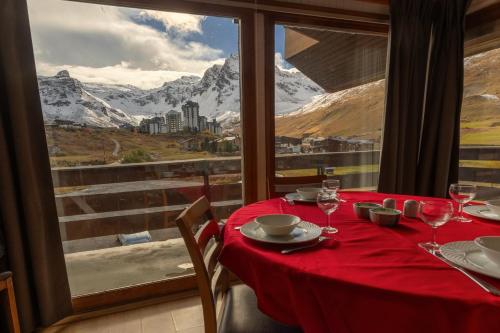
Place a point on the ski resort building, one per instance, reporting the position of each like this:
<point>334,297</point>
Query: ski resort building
<point>173,121</point>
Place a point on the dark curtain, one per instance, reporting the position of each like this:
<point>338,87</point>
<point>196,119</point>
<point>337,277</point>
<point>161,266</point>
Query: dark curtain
<point>440,143</point>
<point>410,29</point>
<point>423,97</point>
<point>28,216</point>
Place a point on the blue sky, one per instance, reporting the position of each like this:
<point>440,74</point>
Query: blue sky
<point>220,33</point>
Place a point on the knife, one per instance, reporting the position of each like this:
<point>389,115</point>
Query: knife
<point>483,284</point>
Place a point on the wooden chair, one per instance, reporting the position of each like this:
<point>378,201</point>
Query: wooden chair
<point>234,306</point>
<point>8,301</point>
<point>284,185</point>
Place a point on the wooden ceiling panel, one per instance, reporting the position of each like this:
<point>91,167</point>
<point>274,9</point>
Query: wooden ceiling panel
<point>337,60</point>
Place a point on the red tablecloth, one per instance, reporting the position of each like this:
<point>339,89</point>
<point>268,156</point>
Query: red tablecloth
<point>371,279</point>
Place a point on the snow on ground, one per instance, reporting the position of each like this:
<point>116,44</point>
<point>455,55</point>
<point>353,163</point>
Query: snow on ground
<point>122,266</point>
<point>325,100</point>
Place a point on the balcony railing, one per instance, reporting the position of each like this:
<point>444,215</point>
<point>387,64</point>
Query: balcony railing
<point>106,200</point>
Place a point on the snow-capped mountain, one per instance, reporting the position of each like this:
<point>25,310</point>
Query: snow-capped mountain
<point>66,98</point>
<point>217,92</point>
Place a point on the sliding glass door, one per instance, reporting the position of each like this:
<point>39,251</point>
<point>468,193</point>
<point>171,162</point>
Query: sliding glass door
<point>324,79</point>
<point>142,117</point>
<point>480,123</point>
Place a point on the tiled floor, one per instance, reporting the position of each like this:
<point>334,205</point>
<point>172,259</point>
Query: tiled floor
<point>182,316</point>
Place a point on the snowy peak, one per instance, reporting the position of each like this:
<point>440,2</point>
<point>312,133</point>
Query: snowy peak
<point>183,80</point>
<point>62,74</point>
<point>65,98</point>
<point>217,92</point>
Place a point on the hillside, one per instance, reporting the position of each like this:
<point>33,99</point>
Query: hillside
<point>358,112</point>
<point>355,112</point>
<point>97,146</point>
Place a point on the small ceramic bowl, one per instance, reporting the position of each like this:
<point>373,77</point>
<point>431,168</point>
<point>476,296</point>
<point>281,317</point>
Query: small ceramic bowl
<point>308,193</point>
<point>386,217</point>
<point>490,245</point>
<point>494,206</point>
<point>278,224</point>
<point>362,209</point>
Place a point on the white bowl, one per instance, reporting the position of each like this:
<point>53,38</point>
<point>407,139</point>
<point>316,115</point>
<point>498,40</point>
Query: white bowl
<point>494,206</point>
<point>278,224</point>
<point>490,245</point>
<point>386,217</point>
<point>308,193</point>
<point>362,209</point>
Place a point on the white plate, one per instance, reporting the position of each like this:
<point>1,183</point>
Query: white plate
<point>481,211</point>
<point>469,255</point>
<point>296,197</point>
<point>304,232</point>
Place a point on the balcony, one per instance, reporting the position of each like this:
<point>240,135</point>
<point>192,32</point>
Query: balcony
<point>96,203</point>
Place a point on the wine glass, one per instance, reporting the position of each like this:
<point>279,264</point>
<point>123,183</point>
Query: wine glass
<point>330,185</point>
<point>434,213</point>
<point>328,202</point>
<point>462,194</point>
<point>286,204</point>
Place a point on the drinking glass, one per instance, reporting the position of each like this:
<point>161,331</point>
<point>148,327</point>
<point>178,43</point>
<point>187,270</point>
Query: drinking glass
<point>462,194</point>
<point>286,204</point>
<point>328,202</point>
<point>435,213</point>
<point>331,185</point>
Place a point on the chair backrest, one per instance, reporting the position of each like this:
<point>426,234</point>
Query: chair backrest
<point>202,236</point>
<point>284,185</point>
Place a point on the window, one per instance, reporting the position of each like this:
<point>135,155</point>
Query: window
<point>480,124</point>
<point>324,78</point>
<point>141,112</point>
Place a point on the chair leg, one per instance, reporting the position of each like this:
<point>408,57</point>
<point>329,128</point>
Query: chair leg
<point>11,307</point>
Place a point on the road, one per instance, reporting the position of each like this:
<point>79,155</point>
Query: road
<point>117,148</point>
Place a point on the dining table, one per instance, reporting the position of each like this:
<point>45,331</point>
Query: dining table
<point>365,278</point>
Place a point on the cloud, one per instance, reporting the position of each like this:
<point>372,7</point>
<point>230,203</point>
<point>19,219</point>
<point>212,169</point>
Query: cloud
<point>118,74</point>
<point>103,38</point>
<point>183,23</point>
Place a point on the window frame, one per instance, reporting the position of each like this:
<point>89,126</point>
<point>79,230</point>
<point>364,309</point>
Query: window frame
<point>246,11</point>
<point>379,29</point>
<point>249,45</point>
<point>184,284</point>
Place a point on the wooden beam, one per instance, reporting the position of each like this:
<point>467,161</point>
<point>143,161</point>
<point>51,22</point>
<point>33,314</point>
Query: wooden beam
<point>483,16</point>
<point>125,296</point>
<point>249,123</point>
<point>238,7</point>
<point>379,2</point>
<point>296,42</point>
<point>367,28</point>
<point>277,6</point>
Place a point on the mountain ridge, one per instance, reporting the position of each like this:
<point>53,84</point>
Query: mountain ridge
<point>217,92</point>
<point>338,114</point>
